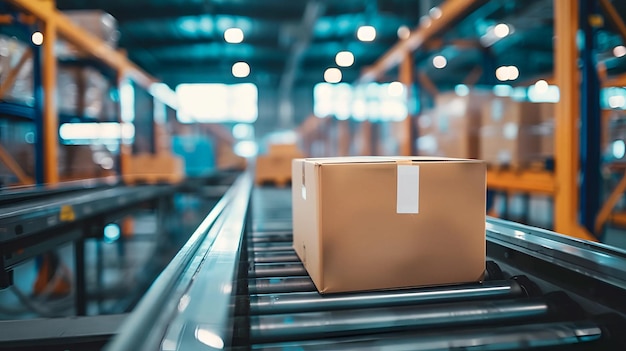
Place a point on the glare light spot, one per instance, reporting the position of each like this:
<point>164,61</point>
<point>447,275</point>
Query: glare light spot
<point>111,233</point>
<point>96,131</point>
<point>619,149</point>
<point>502,90</point>
<point>246,148</point>
<point>241,69</point>
<point>425,21</point>
<point>227,288</point>
<point>619,51</point>
<point>404,32</point>
<point>395,89</point>
<point>243,131</point>
<point>332,75</point>
<point>233,35</point>
<point>344,59</point>
<point>209,338</point>
<point>107,162</point>
<point>37,38</point>
<point>439,61</point>
<point>541,86</point>
<point>501,30</point>
<point>183,303</point>
<point>366,33</point>
<point>461,90</point>
<point>617,101</point>
<point>29,137</point>
<point>435,12</point>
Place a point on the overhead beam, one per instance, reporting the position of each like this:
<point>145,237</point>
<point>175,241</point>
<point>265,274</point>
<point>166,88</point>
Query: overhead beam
<point>451,10</point>
<point>314,9</point>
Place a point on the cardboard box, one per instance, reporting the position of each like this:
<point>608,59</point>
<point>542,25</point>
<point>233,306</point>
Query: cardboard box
<point>371,223</point>
<point>275,167</point>
<point>516,133</point>
<point>454,125</point>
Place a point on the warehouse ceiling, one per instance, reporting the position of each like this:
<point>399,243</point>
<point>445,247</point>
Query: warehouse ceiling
<point>293,42</point>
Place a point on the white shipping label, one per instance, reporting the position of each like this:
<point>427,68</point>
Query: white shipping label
<point>408,187</point>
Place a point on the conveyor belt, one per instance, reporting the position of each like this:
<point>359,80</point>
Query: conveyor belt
<point>285,312</point>
<point>25,218</point>
<point>248,290</point>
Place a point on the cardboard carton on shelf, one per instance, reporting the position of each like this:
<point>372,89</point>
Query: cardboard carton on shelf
<point>98,23</point>
<point>517,134</point>
<point>154,168</point>
<point>427,135</point>
<point>454,125</point>
<point>371,223</point>
<point>275,166</point>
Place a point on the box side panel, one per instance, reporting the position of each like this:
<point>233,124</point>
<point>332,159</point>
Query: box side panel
<point>368,246</point>
<point>305,200</point>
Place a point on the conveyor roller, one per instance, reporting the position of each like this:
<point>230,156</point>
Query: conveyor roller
<point>313,301</point>
<point>311,325</point>
<point>567,335</point>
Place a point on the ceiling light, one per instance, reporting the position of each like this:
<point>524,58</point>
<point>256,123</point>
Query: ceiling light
<point>233,35</point>
<point>439,61</point>
<point>504,73</point>
<point>435,12</point>
<point>241,70</point>
<point>404,32</point>
<point>395,89</point>
<point>513,72</point>
<point>541,86</point>
<point>619,51</point>
<point>366,33</point>
<point>344,58</point>
<point>501,30</point>
<point>332,75</point>
<point>37,38</point>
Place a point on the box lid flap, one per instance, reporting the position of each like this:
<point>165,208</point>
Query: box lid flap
<point>385,159</point>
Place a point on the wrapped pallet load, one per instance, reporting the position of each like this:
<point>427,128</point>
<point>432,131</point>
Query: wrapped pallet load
<point>95,22</point>
<point>451,128</point>
<point>517,134</point>
<point>14,53</point>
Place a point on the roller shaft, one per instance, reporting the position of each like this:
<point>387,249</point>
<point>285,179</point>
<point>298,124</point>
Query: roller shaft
<point>519,337</point>
<point>361,321</point>
<point>312,301</point>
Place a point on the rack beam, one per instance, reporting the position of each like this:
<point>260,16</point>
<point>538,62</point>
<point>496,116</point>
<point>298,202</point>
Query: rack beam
<point>532,182</point>
<point>567,110</point>
<point>451,11</point>
<point>96,48</point>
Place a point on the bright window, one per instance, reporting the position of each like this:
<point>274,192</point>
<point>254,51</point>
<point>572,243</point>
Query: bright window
<point>217,103</point>
<point>374,101</point>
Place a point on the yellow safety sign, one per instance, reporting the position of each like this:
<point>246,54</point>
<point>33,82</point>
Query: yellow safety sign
<point>67,213</point>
